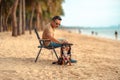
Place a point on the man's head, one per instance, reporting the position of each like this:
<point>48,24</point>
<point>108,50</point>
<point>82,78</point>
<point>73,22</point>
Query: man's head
<point>56,20</point>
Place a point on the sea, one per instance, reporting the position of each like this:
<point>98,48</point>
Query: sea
<point>103,32</point>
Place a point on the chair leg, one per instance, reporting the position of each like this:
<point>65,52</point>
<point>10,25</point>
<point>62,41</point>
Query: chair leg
<point>38,55</point>
<point>55,53</point>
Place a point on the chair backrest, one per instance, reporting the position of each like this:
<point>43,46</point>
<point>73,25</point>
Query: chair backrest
<point>38,36</point>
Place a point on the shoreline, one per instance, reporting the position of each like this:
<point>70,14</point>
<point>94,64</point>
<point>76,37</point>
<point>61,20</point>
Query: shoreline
<point>96,33</point>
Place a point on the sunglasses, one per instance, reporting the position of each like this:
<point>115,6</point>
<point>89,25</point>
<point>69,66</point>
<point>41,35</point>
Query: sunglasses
<point>57,23</point>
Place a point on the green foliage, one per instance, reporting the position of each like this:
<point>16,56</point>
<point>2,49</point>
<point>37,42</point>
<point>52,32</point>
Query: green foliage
<point>48,8</point>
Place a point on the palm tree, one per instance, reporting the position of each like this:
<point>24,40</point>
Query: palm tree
<point>30,8</point>
<point>39,10</point>
<point>57,10</point>
<point>50,8</point>
<point>23,17</point>
<point>31,18</point>
<point>19,29</point>
<point>0,17</point>
<point>14,18</point>
<point>4,14</point>
<point>0,21</point>
<point>38,14</point>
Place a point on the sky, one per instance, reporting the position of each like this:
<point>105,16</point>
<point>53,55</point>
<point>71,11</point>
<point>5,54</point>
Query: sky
<point>91,13</point>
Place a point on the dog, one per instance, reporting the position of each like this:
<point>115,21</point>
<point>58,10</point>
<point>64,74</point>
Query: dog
<point>66,54</point>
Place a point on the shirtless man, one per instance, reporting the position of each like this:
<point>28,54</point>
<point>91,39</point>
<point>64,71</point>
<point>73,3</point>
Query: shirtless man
<point>48,33</point>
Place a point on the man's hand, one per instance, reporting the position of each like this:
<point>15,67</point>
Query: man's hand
<point>64,41</point>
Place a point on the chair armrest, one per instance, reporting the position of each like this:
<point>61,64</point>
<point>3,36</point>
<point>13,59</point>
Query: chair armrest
<point>67,44</point>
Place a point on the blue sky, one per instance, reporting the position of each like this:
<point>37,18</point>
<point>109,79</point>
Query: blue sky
<point>92,13</point>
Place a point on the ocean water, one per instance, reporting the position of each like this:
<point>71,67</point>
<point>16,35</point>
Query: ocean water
<point>104,32</point>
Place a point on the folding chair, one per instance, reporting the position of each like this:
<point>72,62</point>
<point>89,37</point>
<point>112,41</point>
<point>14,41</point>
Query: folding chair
<point>41,41</point>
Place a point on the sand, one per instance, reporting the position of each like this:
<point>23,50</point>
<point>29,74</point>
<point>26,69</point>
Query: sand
<point>97,58</point>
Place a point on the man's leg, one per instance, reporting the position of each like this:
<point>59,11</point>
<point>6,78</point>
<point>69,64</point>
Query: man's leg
<point>55,45</point>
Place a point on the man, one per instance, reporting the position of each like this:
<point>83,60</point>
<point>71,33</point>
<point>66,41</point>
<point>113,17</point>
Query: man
<point>116,34</point>
<point>48,33</point>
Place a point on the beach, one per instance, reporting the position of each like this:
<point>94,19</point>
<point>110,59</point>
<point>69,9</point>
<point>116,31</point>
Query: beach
<point>97,58</point>
<point>103,32</point>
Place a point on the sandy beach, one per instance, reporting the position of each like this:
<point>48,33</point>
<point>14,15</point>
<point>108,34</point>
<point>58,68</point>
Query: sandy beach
<point>97,58</point>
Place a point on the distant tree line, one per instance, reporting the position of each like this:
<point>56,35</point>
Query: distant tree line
<point>20,15</point>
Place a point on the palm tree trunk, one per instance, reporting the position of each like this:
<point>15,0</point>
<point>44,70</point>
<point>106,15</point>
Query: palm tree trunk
<point>14,22</point>
<point>20,18</point>
<point>3,22</point>
<point>38,16</point>
<point>6,20</point>
<point>24,17</point>
<point>6,24</point>
<point>31,18</point>
<point>1,19</point>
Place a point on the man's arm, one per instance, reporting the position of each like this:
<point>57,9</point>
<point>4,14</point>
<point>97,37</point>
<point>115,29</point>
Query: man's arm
<point>49,36</point>
<point>53,39</point>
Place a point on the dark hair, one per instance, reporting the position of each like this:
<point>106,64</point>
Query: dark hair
<point>56,17</point>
